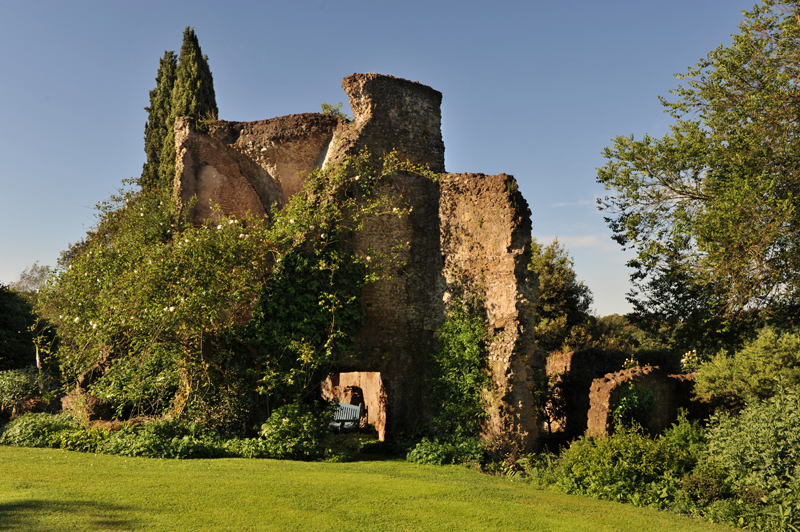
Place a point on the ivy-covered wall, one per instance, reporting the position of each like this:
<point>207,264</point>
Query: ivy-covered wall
<point>469,231</point>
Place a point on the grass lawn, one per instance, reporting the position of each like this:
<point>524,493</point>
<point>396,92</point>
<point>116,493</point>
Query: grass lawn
<point>47,489</point>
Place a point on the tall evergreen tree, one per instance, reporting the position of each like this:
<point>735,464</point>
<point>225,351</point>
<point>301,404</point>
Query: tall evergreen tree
<point>192,95</point>
<point>158,119</point>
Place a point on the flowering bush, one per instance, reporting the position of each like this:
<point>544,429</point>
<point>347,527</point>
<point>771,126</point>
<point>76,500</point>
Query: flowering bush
<point>158,315</point>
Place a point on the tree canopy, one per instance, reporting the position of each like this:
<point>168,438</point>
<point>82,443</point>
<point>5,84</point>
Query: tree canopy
<point>562,313</point>
<point>192,95</point>
<point>158,123</point>
<point>711,208</point>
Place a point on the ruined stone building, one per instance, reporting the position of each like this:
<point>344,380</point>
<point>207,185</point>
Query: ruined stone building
<point>471,229</point>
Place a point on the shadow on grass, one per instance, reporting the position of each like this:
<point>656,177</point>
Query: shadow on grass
<point>37,514</point>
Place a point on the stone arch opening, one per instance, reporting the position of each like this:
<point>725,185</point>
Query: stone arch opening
<point>360,387</point>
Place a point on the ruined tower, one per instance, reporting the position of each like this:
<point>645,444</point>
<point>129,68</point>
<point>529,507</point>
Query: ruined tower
<point>469,230</point>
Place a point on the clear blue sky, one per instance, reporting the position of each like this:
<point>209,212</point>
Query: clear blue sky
<point>534,89</point>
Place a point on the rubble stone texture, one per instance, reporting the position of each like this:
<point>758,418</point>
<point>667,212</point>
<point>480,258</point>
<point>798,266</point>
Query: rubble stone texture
<point>671,393</point>
<point>578,370</point>
<point>467,230</point>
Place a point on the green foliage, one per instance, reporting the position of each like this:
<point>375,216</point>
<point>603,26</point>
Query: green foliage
<point>192,95</point>
<point>156,316</point>
<point>458,383</point>
<point>712,207</point>
<point>158,124</point>
<point>632,406</point>
<point>16,338</point>
<point>335,110</point>
<point>760,448</point>
<point>757,371</point>
<point>164,439</point>
<point>31,280</point>
<point>296,432</point>
<point>447,451</point>
<point>36,430</point>
<point>155,439</point>
<point>629,466</point>
<point>562,313</point>
<point>16,384</point>
<point>458,369</point>
<point>306,318</point>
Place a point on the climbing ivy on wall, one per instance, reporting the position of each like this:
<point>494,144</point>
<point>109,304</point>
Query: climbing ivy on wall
<point>224,321</point>
<point>459,372</point>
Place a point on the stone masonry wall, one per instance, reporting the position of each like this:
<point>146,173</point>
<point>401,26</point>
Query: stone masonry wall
<point>215,174</point>
<point>578,370</point>
<point>469,229</point>
<point>671,393</point>
<point>249,166</point>
<point>287,148</point>
<point>371,385</point>
<point>486,235</point>
<point>391,114</point>
<point>404,310</point>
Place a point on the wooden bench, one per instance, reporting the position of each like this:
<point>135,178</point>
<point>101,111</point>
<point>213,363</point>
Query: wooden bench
<point>347,418</point>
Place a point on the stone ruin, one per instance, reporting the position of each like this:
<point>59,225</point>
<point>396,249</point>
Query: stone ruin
<point>469,230</point>
<point>671,393</point>
<point>591,382</point>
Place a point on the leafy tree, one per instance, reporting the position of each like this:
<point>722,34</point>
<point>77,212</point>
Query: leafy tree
<point>712,207</point>
<point>31,280</point>
<point>192,95</point>
<point>16,339</point>
<point>562,315</point>
<point>335,110</point>
<point>756,372</point>
<point>158,124</point>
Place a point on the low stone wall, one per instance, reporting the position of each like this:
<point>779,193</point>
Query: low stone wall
<point>578,370</point>
<point>671,393</point>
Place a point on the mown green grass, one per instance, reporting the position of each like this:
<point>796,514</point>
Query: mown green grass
<point>47,489</point>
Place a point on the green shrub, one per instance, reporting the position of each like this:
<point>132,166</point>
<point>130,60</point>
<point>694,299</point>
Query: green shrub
<point>245,447</point>
<point>628,466</point>
<point>82,440</point>
<point>706,484</point>
<point>16,384</point>
<point>37,430</point>
<point>760,448</point>
<point>447,451</point>
<point>458,376</point>
<point>632,406</point>
<point>296,432</point>
<point>164,439</point>
<point>755,372</point>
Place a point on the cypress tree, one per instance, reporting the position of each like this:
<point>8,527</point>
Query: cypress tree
<point>192,95</point>
<point>158,125</point>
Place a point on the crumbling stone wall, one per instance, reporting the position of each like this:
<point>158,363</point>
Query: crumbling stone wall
<point>404,310</point>
<point>469,230</point>
<point>249,166</point>
<point>578,370</point>
<point>214,174</point>
<point>486,236</point>
<point>671,393</point>
<point>390,113</point>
